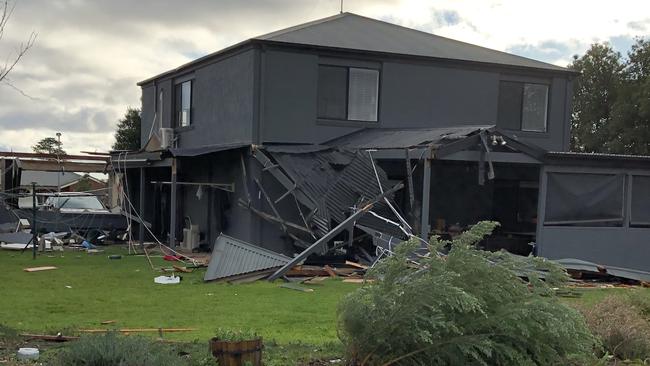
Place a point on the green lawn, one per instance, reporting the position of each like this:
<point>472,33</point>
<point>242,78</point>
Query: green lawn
<point>123,290</point>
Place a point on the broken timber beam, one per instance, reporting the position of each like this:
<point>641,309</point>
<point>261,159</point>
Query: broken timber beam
<point>272,218</point>
<point>283,179</point>
<point>332,233</point>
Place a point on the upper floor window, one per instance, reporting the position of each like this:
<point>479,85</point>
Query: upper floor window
<point>348,93</point>
<point>523,106</point>
<point>183,103</point>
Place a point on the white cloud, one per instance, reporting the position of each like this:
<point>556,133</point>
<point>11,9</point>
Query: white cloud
<point>89,54</point>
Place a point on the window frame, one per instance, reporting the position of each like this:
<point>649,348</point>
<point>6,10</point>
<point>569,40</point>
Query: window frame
<point>347,121</point>
<point>178,86</point>
<point>523,83</point>
<point>618,222</point>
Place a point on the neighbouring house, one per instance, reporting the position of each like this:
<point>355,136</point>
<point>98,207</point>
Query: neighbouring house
<point>65,181</point>
<point>276,140</point>
<point>48,182</point>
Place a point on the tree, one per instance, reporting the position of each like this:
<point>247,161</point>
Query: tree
<point>49,145</point>
<point>632,108</point>
<point>127,136</point>
<point>594,93</point>
<point>6,10</point>
<point>611,101</point>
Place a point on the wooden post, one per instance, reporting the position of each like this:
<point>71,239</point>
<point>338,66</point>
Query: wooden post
<point>426,193</point>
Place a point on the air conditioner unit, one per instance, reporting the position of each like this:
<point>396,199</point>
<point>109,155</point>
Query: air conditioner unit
<point>166,137</point>
<point>191,237</point>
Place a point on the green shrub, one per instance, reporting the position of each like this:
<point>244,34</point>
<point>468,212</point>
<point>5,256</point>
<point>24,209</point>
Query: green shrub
<point>466,308</point>
<point>235,335</point>
<point>621,327</point>
<point>113,350</point>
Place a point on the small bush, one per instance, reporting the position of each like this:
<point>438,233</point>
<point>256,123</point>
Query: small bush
<point>621,327</point>
<point>235,335</point>
<point>113,350</point>
<point>466,308</point>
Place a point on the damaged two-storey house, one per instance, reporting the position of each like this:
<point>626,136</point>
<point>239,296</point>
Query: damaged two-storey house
<point>278,139</point>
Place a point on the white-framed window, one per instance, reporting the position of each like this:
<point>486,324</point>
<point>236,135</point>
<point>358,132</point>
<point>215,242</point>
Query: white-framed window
<point>523,106</point>
<point>348,93</point>
<point>183,103</point>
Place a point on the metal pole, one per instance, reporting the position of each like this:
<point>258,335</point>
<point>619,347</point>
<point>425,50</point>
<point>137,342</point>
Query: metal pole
<point>172,219</point>
<point>34,237</point>
<point>58,180</point>
<point>426,193</point>
<point>141,208</point>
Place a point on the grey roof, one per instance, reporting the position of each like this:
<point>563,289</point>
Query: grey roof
<point>355,32</point>
<point>570,155</point>
<point>232,257</point>
<point>47,179</point>
<point>202,150</point>
<point>348,31</point>
<point>395,138</point>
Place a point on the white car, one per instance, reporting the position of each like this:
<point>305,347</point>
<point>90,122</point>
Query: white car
<point>75,203</point>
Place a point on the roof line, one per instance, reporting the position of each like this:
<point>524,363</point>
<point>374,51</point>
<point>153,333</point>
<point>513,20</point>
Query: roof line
<point>270,35</point>
<point>457,41</point>
<point>268,38</point>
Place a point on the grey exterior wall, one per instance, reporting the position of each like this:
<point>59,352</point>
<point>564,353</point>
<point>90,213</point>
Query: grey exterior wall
<point>219,211</point>
<point>222,103</point>
<point>625,246</point>
<point>412,95</point>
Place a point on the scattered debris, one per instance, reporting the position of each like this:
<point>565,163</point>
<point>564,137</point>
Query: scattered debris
<point>182,269</point>
<point>167,280</point>
<point>234,259</point>
<point>139,330</point>
<point>51,338</point>
<point>115,256</point>
<point>14,246</point>
<point>330,271</point>
<point>357,280</point>
<point>579,269</point>
<point>357,265</point>
<point>345,224</point>
<point>105,322</point>
<point>297,287</point>
<point>28,354</point>
<point>39,269</point>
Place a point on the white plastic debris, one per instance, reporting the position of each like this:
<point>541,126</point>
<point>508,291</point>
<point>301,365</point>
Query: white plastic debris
<point>167,280</point>
<point>28,354</point>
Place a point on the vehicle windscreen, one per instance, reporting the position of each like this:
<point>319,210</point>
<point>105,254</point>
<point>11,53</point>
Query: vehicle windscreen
<point>82,202</point>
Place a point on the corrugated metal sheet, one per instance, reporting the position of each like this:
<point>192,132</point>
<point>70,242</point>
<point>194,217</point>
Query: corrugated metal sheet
<point>336,180</point>
<point>393,138</point>
<point>233,257</point>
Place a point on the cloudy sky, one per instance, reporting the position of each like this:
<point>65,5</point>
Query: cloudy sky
<point>80,75</point>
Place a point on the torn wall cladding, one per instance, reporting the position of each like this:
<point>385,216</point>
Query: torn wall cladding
<point>327,185</point>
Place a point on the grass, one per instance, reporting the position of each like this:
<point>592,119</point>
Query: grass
<point>88,289</point>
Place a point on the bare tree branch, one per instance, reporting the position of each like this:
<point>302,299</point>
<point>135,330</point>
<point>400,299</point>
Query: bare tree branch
<point>8,82</point>
<point>6,9</point>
